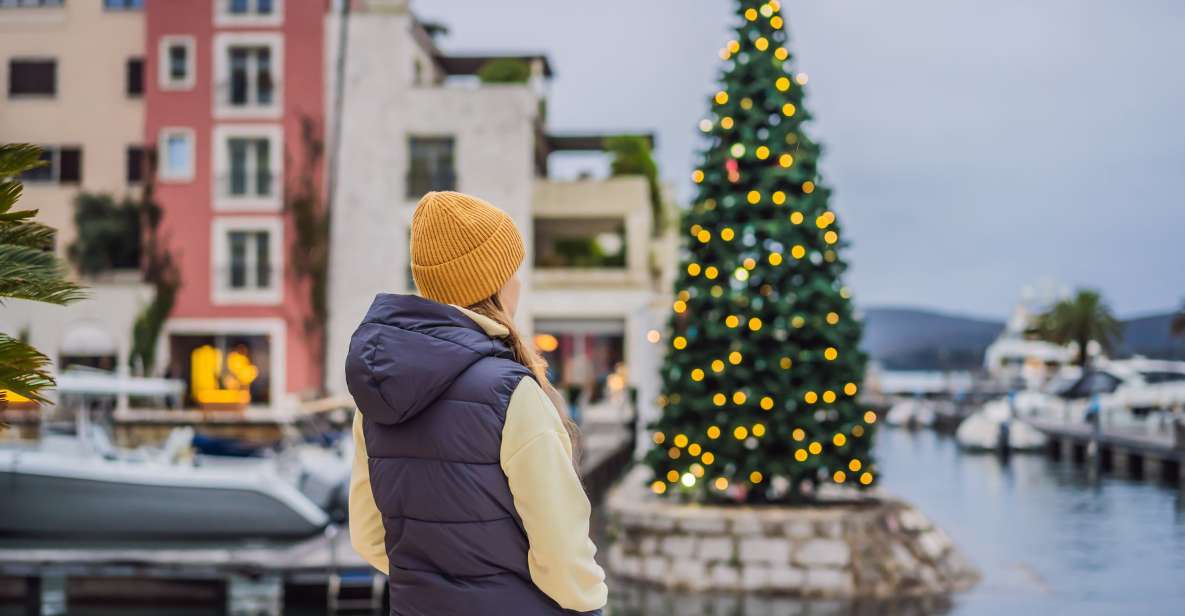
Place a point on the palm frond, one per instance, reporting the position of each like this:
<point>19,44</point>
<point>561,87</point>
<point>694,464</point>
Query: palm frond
<point>27,234</point>
<point>34,274</point>
<point>23,369</point>
<point>17,158</point>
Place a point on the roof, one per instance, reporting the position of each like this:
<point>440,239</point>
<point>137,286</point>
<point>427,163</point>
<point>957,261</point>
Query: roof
<point>588,142</point>
<point>469,65</point>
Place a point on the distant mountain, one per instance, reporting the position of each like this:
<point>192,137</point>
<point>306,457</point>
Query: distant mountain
<point>919,339</point>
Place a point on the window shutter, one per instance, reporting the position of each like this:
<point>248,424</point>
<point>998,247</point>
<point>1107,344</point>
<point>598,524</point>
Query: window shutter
<point>70,165</point>
<point>135,77</point>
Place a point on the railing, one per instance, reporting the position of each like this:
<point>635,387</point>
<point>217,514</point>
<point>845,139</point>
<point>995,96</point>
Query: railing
<point>243,185</point>
<point>251,98</point>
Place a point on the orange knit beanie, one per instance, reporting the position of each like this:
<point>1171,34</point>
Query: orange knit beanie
<point>463,249</point>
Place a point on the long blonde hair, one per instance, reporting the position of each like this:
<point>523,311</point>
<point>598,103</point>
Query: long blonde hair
<point>491,307</point>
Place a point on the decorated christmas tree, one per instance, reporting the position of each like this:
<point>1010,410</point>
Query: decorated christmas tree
<point>763,369</point>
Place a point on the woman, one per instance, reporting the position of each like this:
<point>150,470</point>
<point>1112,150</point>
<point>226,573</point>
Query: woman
<point>464,489</point>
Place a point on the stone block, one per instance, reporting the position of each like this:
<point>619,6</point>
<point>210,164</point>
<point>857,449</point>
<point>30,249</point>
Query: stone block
<point>764,550</point>
<point>913,521</point>
<point>724,576</point>
<point>754,577</point>
<point>746,524</point>
<point>823,553</point>
<point>654,569</point>
<point>828,582</point>
<point>799,529</point>
<point>627,566</point>
<point>689,573</point>
<point>715,548</point>
<point>678,546</point>
<point>934,544</point>
<point>786,578</point>
<point>659,522</point>
<point>829,528</point>
<point>648,546</point>
<point>703,524</point>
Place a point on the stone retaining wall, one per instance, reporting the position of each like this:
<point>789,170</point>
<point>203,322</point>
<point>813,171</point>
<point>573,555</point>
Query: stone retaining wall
<point>878,548</point>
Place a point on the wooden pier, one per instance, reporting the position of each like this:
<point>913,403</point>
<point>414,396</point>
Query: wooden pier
<point>1158,455</point>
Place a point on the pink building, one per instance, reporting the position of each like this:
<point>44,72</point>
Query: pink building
<point>229,85</point>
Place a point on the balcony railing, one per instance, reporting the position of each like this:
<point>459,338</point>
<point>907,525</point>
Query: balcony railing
<point>243,185</point>
<point>239,94</point>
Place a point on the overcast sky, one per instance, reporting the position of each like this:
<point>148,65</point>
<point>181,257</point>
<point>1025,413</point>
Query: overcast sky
<point>975,147</point>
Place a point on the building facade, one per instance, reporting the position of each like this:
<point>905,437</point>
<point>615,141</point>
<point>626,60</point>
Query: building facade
<point>234,107</point>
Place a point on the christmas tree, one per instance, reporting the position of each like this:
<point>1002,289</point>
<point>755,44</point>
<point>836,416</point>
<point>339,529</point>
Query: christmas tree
<point>763,367</point>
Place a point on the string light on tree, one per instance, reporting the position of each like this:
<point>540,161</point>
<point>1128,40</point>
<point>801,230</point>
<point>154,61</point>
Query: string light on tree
<point>764,363</point>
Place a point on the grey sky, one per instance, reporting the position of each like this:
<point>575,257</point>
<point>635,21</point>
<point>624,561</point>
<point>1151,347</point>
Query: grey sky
<point>974,147</point>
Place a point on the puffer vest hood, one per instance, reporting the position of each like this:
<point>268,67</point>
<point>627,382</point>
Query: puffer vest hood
<point>433,389</point>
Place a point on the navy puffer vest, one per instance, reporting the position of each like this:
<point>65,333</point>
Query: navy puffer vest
<point>433,389</point>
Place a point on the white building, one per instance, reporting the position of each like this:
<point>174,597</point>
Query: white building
<point>416,119</point>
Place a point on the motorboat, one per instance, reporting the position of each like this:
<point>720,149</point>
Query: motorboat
<point>999,427</point>
<point>911,413</point>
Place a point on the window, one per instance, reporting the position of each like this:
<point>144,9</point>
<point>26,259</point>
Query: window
<point>247,73</point>
<point>431,166</point>
<point>32,77</point>
<point>247,260</point>
<point>247,167</point>
<point>123,5</point>
<point>176,62</point>
<point>63,165</point>
<point>135,77</point>
<point>248,12</point>
<point>12,4</point>
<point>137,164</point>
<point>176,148</point>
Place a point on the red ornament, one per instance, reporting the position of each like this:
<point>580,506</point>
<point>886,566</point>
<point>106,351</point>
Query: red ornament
<point>734,170</point>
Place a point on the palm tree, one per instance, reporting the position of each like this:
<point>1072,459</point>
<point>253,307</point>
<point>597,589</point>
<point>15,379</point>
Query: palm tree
<point>1081,319</point>
<point>29,271</point>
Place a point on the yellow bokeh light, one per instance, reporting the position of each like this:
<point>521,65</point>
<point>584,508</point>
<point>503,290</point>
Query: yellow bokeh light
<point>775,258</point>
<point>721,483</point>
<point>761,43</point>
<point>758,430</point>
<point>767,403</point>
<point>674,453</point>
<point>845,293</point>
<point>735,358</point>
<point>737,150</point>
<point>713,432</point>
<point>697,375</point>
<point>810,397</point>
<point>766,10</point>
<point>839,439</point>
<point>782,84</point>
<point>740,433</point>
<point>732,320</point>
<point>798,434</point>
<point>797,322</point>
<point>774,5</point>
<point>755,477</point>
<point>739,397</point>
<point>762,152</point>
<point>832,318</point>
<point>658,487</point>
<point>697,470</point>
<point>854,465</point>
<point>781,53</point>
<point>708,457</point>
<point>808,187</point>
<point>680,440</point>
<point>697,176</point>
<point>840,476</point>
<point>829,396</point>
<point>719,399</point>
<point>830,353</point>
<point>785,363</point>
<point>693,269</point>
<point>870,417</point>
<point>800,455</point>
<point>741,274</point>
<point>798,252</point>
<point>778,197</point>
<point>711,272</point>
<point>658,438</point>
<point>815,448</point>
<point>796,218</point>
<point>704,236</point>
<point>788,109</point>
<point>753,197</point>
<point>717,365</point>
<point>694,449</point>
<point>680,306</point>
<point>850,389</point>
<point>727,234</point>
<point>801,79</point>
<point>734,46</point>
<point>831,237</point>
<point>866,478</point>
<point>751,14</point>
<point>754,323</point>
<point>726,123</point>
<point>721,97</point>
<point>775,22</point>
<point>679,343</point>
<point>725,54</point>
<point>653,336</point>
<point>684,295</point>
<point>858,431</point>
<point>672,475</point>
<point>749,263</point>
<point>785,160</point>
<point>695,229</point>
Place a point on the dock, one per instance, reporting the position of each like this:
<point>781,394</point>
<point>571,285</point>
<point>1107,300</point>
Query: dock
<point>1131,451</point>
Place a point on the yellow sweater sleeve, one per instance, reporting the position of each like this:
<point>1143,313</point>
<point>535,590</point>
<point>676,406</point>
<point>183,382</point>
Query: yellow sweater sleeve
<point>367,533</point>
<point>536,456</point>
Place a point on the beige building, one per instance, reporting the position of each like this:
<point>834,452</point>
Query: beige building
<point>72,74</point>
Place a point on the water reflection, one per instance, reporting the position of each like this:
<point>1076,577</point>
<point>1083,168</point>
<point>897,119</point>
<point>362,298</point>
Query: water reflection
<point>1048,536</point>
